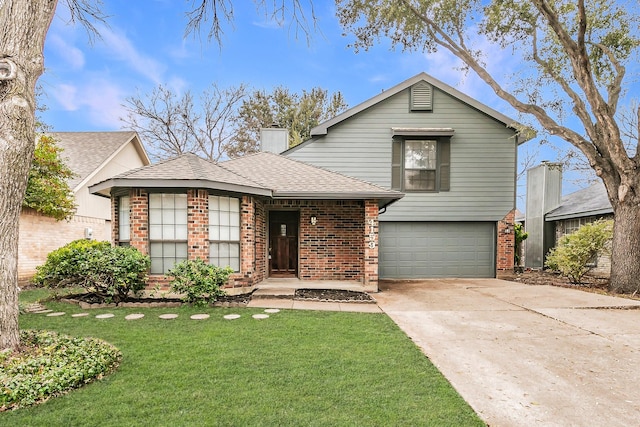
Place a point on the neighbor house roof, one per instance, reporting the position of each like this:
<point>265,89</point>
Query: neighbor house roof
<point>322,128</point>
<point>85,153</point>
<point>589,201</point>
<point>263,174</point>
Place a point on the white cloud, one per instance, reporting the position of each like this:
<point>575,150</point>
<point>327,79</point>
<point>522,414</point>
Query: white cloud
<point>68,53</point>
<point>117,43</point>
<point>98,99</point>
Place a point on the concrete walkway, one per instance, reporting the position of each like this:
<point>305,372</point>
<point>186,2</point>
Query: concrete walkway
<point>526,355</point>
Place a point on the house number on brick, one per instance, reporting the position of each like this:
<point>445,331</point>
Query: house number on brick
<point>372,234</point>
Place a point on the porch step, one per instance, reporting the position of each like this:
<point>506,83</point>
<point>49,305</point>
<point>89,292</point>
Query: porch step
<point>273,293</point>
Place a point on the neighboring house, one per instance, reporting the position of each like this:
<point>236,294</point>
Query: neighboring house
<point>455,160</point>
<point>550,216</point>
<point>93,157</point>
<point>264,215</point>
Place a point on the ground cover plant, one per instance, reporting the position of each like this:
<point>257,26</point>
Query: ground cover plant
<point>50,364</point>
<point>297,368</point>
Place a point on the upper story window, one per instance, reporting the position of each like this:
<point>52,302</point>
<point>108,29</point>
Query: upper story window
<point>224,232</point>
<point>420,164</point>
<point>167,230</point>
<point>124,220</point>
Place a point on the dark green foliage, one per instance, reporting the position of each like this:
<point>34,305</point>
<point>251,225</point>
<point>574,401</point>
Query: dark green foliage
<point>51,364</point>
<point>198,281</point>
<point>521,236</point>
<point>574,252</point>
<point>109,271</point>
<point>48,191</point>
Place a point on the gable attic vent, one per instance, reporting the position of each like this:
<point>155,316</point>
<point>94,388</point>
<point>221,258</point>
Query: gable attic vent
<point>421,97</point>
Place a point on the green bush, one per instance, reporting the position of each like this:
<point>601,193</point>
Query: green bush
<point>199,282</point>
<point>51,364</point>
<point>575,251</point>
<point>111,272</point>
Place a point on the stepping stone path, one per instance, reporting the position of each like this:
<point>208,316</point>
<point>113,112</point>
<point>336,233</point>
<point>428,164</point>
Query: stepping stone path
<point>199,317</point>
<point>36,308</point>
<point>260,316</point>
<point>232,316</point>
<point>80,315</point>
<point>42,311</point>
<point>105,316</point>
<point>134,316</point>
<point>168,316</point>
<point>56,314</point>
<point>272,310</point>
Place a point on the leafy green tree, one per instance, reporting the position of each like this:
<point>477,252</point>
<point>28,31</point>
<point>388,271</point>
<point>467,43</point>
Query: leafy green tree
<point>297,112</point>
<point>48,189</point>
<point>572,57</point>
<point>574,253</point>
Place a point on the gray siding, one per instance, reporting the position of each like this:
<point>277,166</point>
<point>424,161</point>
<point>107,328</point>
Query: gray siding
<point>483,153</point>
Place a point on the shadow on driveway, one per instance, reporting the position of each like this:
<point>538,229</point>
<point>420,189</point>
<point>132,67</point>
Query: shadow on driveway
<point>526,355</point>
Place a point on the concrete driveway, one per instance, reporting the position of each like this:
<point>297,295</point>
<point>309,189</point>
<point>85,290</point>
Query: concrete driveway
<point>526,355</point>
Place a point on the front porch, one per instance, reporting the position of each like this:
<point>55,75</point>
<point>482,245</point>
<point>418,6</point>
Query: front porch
<point>280,293</point>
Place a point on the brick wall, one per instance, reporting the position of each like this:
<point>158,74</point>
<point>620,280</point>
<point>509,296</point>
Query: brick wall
<point>506,244</point>
<point>41,234</point>
<point>198,224</point>
<point>332,249</point>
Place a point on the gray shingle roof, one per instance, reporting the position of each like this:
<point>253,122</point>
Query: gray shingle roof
<point>84,152</point>
<point>264,174</point>
<point>589,201</point>
<point>287,177</point>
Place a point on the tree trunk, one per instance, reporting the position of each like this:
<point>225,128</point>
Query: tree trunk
<point>625,253</point>
<point>23,27</point>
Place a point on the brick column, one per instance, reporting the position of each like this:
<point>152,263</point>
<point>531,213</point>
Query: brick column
<point>370,273</point>
<point>506,244</point>
<point>198,224</point>
<point>115,219</point>
<point>140,220</point>
<point>247,240</point>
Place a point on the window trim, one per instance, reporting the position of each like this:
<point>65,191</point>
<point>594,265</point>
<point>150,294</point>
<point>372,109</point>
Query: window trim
<point>443,160</point>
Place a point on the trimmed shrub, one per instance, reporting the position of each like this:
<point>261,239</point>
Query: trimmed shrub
<point>575,251</point>
<point>198,282</point>
<point>109,271</point>
<point>50,365</point>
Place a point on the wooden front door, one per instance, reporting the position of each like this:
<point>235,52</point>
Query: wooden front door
<point>283,243</point>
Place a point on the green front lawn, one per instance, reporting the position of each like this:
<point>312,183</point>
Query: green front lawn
<point>298,368</point>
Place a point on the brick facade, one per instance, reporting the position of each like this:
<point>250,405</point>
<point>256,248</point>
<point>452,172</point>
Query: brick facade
<point>505,250</point>
<point>40,234</point>
<point>342,245</point>
<point>331,249</point>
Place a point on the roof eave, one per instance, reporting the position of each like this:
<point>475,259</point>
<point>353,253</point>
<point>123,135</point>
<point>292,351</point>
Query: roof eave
<point>570,215</point>
<point>104,188</point>
<point>323,128</point>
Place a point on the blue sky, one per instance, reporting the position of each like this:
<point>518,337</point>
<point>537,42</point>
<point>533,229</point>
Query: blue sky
<point>144,45</point>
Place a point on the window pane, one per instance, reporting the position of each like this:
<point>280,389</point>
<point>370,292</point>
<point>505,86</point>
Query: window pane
<point>168,232</point>
<point>124,218</point>
<point>420,154</point>
<point>224,218</point>
<point>235,233</point>
<point>224,233</point>
<point>155,232</point>
<point>181,232</point>
<point>214,203</point>
<point>420,180</point>
<point>180,201</point>
<point>167,201</point>
<point>155,201</point>
<point>224,204</point>
<point>214,232</point>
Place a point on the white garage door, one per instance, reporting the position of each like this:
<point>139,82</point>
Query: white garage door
<point>437,249</point>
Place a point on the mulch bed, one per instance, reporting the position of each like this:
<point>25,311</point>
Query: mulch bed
<point>332,295</point>
<point>545,277</point>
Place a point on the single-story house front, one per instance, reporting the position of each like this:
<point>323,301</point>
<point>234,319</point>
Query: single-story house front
<point>264,215</point>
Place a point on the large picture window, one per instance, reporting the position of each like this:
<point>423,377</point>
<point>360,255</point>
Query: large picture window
<point>167,231</point>
<point>420,164</point>
<point>224,232</point>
